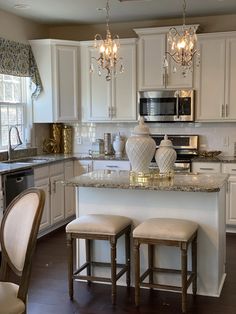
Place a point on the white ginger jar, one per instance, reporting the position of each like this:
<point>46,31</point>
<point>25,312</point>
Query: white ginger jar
<point>165,156</point>
<point>140,148</point>
<point>118,145</point>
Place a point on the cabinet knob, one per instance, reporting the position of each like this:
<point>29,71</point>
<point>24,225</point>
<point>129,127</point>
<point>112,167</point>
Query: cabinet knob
<point>222,111</point>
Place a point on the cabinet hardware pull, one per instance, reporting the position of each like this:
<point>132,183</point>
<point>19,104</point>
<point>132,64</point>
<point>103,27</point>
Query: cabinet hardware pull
<point>233,169</point>
<point>222,110</point>
<point>206,168</point>
<point>109,112</point>
<point>163,79</point>
<point>111,166</point>
<point>226,110</point>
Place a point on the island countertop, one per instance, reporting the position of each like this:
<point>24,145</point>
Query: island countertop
<point>125,180</point>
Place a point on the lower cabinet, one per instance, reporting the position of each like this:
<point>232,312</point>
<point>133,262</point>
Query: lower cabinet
<point>59,202</point>
<point>231,193</point>
<point>227,168</point>
<point>111,164</point>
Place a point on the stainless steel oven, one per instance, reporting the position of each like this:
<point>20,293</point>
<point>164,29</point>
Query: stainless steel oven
<point>166,105</point>
<point>186,147</point>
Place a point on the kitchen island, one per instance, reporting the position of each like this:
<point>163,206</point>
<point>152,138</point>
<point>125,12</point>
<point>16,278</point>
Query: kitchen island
<point>196,197</point>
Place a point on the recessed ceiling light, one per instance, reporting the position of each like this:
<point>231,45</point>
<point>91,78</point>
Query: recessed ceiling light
<point>21,6</point>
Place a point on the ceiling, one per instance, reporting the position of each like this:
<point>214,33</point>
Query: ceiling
<point>86,11</point>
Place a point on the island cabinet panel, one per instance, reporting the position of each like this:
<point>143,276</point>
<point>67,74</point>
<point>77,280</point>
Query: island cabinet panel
<point>215,77</point>
<point>207,209</point>
<point>114,100</point>
<point>152,48</point>
<point>58,64</point>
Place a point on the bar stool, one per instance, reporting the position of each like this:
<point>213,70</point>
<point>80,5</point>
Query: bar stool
<point>168,232</point>
<point>99,227</point>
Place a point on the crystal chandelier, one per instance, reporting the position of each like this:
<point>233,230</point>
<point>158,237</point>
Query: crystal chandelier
<point>108,51</point>
<point>182,45</point>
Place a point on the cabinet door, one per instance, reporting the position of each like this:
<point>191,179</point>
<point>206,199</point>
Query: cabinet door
<point>211,79</point>
<point>57,198</point>
<point>151,50</point>
<point>66,83</point>
<point>124,86</point>
<point>111,165</point>
<point>82,166</point>
<point>46,217</point>
<point>175,78</point>
<point>230,82</point>
<point>231,201</point>
<point>69,191</point>
<point>206,167</point>
<point>99,91</point>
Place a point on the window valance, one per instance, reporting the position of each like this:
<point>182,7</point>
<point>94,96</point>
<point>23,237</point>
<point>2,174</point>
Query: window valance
<point>18,59</point>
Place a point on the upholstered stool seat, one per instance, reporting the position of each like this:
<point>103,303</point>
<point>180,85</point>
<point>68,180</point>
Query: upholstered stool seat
<point>99,227</point>
<point>9,301</point>
<point>170,232</point>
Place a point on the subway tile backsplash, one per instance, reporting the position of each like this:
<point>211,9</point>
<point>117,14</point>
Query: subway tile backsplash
<point>213,136</point>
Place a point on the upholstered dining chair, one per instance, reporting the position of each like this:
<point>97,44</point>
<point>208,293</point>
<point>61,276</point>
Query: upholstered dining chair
<point>18,235</point>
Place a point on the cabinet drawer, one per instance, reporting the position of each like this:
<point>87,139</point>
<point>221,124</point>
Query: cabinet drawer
<point>111,165</point>
<point>206,167</point>
<point>229,168</point>
<point>41,172</point>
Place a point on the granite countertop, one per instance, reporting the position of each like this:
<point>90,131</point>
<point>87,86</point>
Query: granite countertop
<point>223,159</point>
<point>84,156</point>
<point>123,180</point>
<point>39,160</point>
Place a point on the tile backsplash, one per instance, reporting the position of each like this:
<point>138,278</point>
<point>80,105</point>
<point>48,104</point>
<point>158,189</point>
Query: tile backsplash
<point>212,136</point>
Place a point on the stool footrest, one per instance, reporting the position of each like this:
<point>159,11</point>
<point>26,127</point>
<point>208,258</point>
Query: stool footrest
<point>161,286</point>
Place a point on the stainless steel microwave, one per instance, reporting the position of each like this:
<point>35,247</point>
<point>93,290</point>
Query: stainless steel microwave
<point>166,105</point>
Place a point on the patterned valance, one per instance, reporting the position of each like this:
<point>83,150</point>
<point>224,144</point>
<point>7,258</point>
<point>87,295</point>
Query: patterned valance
<point>18,59</point>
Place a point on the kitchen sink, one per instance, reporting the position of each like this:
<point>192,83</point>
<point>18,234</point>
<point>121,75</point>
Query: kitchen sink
<point>29,160</point>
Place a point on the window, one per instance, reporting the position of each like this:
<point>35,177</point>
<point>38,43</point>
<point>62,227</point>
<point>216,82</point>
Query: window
<point>13,101</point>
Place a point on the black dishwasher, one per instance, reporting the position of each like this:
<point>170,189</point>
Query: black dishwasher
<point>16,182</point>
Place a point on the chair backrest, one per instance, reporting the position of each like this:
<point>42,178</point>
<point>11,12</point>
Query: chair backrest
<point>18,235</point>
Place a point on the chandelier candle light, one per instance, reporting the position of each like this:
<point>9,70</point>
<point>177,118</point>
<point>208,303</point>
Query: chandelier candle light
<point>182,46</point>
<point>108,51</point>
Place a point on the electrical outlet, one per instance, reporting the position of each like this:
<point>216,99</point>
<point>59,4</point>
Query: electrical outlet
<point>79,140</point>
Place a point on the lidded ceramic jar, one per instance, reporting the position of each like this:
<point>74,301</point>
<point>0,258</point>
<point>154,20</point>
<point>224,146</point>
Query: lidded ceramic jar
<point>118,145</point>
<point>165,156</point>
<point>140,148</point>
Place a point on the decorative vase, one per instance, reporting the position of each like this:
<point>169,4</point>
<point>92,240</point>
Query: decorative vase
<point>140,148</point>
<point>165,156</point>
<point>118,145</point>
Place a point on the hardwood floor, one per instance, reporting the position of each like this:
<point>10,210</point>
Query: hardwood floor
<point>48,288</point>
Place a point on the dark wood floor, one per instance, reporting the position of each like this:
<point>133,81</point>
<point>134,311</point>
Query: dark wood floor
<point>48,289</point>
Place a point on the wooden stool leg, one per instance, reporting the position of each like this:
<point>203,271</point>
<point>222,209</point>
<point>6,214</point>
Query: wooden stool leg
<point>150,261</point>
<point>113,269</point>
<point>127,257</point>
<point>88,257</point>
<point>194,265</point>
<point>137,271</point>
<point>184,276</point>
<point>70,248</point>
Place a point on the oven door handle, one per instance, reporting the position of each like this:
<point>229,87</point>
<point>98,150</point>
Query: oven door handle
<point>177,106</point>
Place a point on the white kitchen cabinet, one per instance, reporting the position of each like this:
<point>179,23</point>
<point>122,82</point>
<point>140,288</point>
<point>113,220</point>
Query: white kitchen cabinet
<point>152,46</point>
<point>42,181</point>
<point>216,77</point>
<point>58,64</point>
<point>109,101</point>
<point>82,166</point>
<point>111,165</point>
<point>56,173</point>
<point>206,167</point>
<point>231,193</point>
<point>69,190</point>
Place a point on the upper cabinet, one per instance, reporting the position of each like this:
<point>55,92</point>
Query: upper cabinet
<point>58,63</point>
<point>216,77</point>
<point>109,101</point>
<point>152,47</point>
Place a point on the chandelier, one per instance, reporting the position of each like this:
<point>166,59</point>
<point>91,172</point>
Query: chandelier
<point>108,51</point>
<point>182,45</point>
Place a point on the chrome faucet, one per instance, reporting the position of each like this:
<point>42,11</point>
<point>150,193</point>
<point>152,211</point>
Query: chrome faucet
<point>19,141</point>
